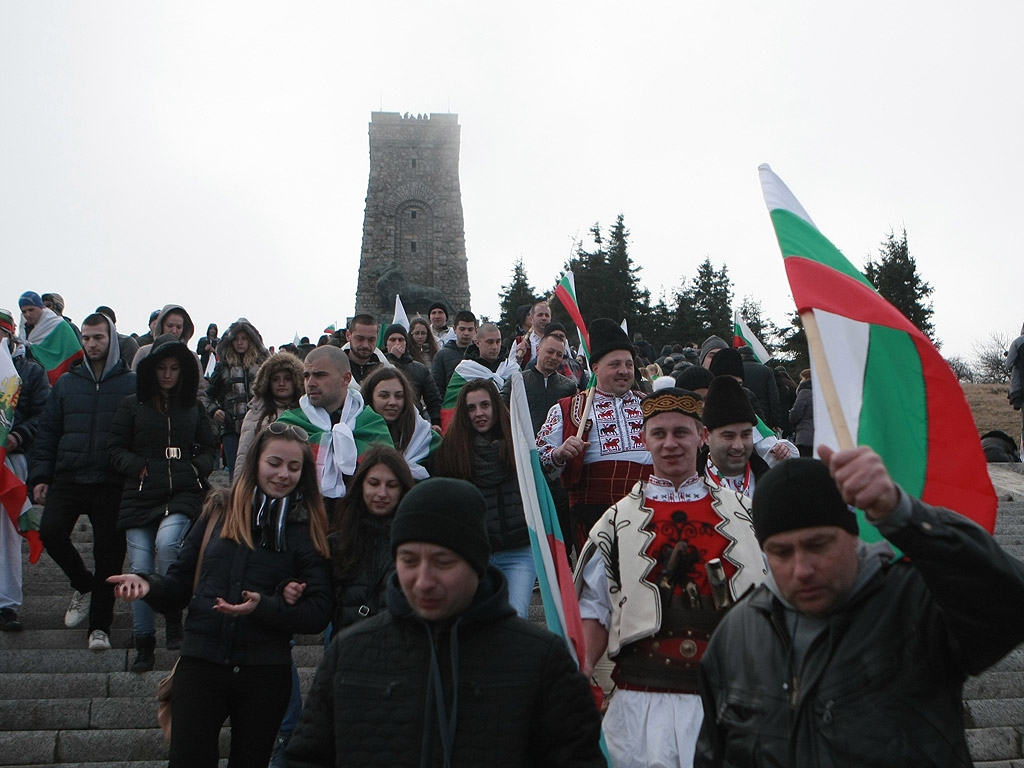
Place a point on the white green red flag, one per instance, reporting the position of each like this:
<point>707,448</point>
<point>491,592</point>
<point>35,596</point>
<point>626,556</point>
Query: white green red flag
<point>466,371</point>
<point>13,493</point>
<point>897,393</point>
<point>55,345</point>
<point>566,293</point>
<point>742,336</point>
<point>561,606</point>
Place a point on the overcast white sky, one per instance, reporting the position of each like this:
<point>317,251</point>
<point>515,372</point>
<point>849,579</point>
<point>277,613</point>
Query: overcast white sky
<point>216,154</point>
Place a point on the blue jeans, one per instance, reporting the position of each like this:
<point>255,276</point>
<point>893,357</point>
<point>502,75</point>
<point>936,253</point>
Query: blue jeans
<point>229,442</point>
<point>161,540</point>
<point>518,567</point>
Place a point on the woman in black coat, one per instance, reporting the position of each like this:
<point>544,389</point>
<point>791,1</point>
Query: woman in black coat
<point>360,538</point>
<point>163,444</point>
<point>262,576</point>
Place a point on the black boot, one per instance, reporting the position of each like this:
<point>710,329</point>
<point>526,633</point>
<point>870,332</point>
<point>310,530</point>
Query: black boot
<point>174,632</point>
<point>145,657</point>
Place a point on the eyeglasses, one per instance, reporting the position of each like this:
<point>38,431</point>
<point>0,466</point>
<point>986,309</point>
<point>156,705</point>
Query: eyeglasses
<point>281,428</point>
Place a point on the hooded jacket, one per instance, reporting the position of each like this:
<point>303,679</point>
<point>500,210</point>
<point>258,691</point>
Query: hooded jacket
<point>164,457</point>
<point>188,328</point>
<point>506,691</point>
<point>879,680</point>
<point>71,438</point>
<point>261,407</point>
<point>35,390</point>
<point>422,382</point>
<point>231,384</point>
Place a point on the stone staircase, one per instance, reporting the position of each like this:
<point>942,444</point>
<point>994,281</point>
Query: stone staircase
<point>62,704</point>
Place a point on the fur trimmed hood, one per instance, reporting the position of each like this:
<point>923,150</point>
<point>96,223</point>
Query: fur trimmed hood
<point>279,361</point>
<point>226,353</point>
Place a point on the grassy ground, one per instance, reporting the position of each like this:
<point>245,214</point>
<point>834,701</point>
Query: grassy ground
<point>992,410</point>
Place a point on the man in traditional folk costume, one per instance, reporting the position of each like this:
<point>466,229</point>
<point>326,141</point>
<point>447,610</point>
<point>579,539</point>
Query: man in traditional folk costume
<point>600,467</point>
<point>660,569</point>
<point>340,427</point>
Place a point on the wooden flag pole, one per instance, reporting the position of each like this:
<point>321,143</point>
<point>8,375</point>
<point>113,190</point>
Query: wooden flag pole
<point>586,412</point>
<point>825,381</point>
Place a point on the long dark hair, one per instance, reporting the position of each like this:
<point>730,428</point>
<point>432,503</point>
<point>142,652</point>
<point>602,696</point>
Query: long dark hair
<point>414,348</point>
<point>404,426</point>
<point>238,515</point>
<point>454,457</point>
<point>346,529</point>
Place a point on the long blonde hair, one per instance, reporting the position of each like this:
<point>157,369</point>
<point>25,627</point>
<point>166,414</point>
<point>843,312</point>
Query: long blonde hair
<point>238,512</point>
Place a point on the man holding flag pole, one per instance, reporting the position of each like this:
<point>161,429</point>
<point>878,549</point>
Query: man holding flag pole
<point>861,660</point>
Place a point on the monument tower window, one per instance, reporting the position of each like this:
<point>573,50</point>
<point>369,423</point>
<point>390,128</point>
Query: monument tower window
<point>413,244</point>
<point>412,214</point>
<point>414,162</point>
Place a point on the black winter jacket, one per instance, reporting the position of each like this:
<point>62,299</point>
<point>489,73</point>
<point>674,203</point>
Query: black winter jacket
<point>760,379</point>
<point>447,360</point>
<point>71,439</point>
<point>521,701</point>
<point>165,459</point>
<point>363,594</point>
<point>506,519</point>
<point>35,390</point>
<point>882,683</point>
<point>263,636</point>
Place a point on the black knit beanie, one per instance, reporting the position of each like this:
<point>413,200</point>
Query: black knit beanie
<point>727,403</point>
<point>447,512</point>
<point>798,493</point>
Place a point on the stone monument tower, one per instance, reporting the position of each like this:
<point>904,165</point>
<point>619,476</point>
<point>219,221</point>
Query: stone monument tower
<point>414,243</point>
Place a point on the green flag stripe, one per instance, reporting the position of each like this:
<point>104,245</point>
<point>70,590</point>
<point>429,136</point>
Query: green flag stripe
<point>798,238</point>
<point>894,416</point>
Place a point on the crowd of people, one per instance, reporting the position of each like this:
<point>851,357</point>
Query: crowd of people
<point>373,496</point>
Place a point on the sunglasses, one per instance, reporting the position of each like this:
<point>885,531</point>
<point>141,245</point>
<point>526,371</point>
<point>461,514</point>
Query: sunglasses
<point>281,428</point>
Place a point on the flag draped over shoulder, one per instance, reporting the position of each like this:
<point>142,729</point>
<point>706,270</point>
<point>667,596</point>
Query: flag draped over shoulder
<point>561,607</point>
<point>742,336</point>
<point>896,392</point>
<point>566,293</point>
<point>13,493</point>
<point>55,345</point>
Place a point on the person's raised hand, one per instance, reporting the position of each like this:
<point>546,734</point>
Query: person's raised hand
<point>862,479</point>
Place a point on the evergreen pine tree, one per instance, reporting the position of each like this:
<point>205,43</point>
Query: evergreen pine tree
<point>516,294</point>
<point>708,302</point>
<point>895,276</point>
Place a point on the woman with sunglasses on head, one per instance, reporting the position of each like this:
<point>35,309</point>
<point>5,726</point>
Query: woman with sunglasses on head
<point>262,577</point>
<point>387,392</point>
<point>277,388</point>
<point>163,443</point>
<point>360,538</point>
<point>478,448</point>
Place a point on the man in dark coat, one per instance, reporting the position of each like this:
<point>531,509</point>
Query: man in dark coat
<point>71,475</point>
<point>844,657</point>
<point>760,379</point>
<point>450,676</point>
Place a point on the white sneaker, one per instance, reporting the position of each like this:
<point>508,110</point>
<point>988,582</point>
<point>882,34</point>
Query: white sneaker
<point>78,611</point>
<point>99,641</point>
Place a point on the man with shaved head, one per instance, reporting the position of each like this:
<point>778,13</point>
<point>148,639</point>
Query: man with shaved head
<point>339,426</point>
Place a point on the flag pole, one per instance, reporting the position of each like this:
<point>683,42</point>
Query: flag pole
<point>825,381</point>
<point>586,412</point>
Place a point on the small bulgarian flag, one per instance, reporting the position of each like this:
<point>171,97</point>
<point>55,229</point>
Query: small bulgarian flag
<point>465,372</point>
<point>895,392</point>
<point>55,345</point>
<point>744,337</point>
<point>566,293</point>
<point>13,493</point>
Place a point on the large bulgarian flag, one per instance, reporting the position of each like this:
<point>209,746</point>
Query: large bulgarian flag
<point>13,493</point>
<point>55,345</point>
<point>566,293</point>
<point>742,336</point>
<point>561,607</point>
<point>894,390</point>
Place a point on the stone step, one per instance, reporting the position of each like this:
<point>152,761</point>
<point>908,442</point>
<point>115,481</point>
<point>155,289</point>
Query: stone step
<point>64,660</point>
<point>997,743</point>
<point>987,713</point>
<point>47,639</point>
<point>93,685</point>
<point>995,685</point>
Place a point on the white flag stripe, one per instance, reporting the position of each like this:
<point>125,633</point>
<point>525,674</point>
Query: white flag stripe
<point>851,339</point>
<point>755,344</point>
<point>400,318</point>
<point>777,194</point>
<point>524,442</point>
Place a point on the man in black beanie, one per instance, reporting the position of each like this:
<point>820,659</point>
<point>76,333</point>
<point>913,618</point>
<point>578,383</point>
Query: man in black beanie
<point>844,657</point>
<point>449,675</point>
